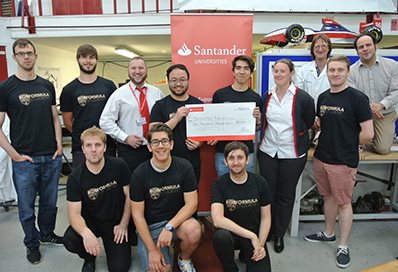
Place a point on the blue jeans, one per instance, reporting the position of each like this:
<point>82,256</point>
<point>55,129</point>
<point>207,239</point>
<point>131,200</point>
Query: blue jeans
<point>155,230</point>
<point>38,178</point>
<point>222,169</point>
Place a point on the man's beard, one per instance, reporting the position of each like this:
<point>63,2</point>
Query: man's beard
<point>84,70</point>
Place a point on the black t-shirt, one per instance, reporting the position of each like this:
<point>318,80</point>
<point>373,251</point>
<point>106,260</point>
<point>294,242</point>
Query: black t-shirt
<point>28,105</point>
<point>101,194</point>
<point>163,193</point>
<point>163,111</point>
<point>340,114</point>
<point>242,202</point>
<point>229,95</point>
<point>86,101</point>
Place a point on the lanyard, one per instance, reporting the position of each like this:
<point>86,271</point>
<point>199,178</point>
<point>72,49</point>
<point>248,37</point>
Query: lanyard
<point>141,106</point>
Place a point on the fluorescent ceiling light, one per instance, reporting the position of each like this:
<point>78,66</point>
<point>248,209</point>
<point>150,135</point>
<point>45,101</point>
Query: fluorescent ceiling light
<point>125,52</point>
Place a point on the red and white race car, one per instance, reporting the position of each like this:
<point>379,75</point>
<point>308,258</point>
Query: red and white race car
<point>337,33</point>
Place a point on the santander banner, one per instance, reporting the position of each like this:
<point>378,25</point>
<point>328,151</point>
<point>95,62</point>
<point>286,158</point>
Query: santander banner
<point>207,44</point>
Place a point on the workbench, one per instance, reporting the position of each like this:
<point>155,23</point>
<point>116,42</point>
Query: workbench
<point>365,157</point>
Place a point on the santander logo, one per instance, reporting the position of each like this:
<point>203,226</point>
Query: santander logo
<point>198,50</point>
<point>184,50</point>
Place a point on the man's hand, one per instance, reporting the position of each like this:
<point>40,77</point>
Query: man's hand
<point>165,238</point>
<point>257,115</point>
<point>134,141</point>
<point>21,158</point>
<point>376,108</point>
<point>120,233</point>
<point>212,142</point>
<point>91,243</point>
<point>181,113</point>
<point>192,145</point>
<point>57,152</point>
<point>156,260</point>
<point>258,251</point>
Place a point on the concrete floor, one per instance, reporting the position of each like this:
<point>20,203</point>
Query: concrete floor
<point>371,243</point>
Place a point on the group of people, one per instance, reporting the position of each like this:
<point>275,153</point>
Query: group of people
<point>154,178</point>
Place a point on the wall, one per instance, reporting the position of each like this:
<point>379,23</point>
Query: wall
<point>117,71</point>
<point>59,64</point>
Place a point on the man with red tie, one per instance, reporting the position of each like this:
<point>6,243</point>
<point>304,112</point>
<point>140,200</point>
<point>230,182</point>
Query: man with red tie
<point>126,114</point>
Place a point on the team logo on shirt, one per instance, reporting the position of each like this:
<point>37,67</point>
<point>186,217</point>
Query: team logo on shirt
<point>26,99</point>
<point>233,204</point>
<point>84,99</point>
<point>155,192</point>
<point>330,109</point>
<point>94,193</point>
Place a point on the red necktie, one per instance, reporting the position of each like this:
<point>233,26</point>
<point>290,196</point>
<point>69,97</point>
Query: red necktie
<point>144,109</point>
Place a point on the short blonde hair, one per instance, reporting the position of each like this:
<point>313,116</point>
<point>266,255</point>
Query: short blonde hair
<point>92,132</point>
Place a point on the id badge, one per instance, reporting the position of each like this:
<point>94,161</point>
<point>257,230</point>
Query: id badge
<point>141,121</point>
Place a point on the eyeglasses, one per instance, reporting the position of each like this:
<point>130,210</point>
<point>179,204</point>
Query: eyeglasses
<point>23,54</point>
<point>164,141</point>
<point>181,80</point>
<point>323,46</point>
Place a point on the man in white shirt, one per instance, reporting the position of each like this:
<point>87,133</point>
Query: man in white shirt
<point>377,77</point>
<point>126,114</point>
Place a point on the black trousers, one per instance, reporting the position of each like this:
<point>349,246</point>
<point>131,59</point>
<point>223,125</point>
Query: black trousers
<point>225,243</point>
<point>118,256</point>
<point>282,176</point>
<point>133,157</point>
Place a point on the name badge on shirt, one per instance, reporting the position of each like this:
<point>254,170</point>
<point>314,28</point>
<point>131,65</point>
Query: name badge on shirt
<point>141,121</point>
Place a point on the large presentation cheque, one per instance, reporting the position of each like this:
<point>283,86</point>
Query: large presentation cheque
<point>224,121</point>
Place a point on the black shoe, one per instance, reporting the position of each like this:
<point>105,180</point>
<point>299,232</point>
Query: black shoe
<point>33,255</point>
<point>278,244</point>
<point>52,239</point>
<point>88,266</point>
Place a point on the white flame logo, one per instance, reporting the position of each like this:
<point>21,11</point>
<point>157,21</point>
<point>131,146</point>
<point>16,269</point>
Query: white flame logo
<point>184,50</point>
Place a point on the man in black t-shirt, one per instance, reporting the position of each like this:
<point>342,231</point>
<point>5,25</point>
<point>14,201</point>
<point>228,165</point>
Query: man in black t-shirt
<point>83,99</point>
<point>239,91</point>
<point>163,192</point>
<point>171,110</point>
<point>345,120</point>
<point>35,148</point>
<point>99,206</point>
<point>241,212</point>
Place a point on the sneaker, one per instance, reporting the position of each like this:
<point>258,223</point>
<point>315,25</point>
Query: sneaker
<point>320,237</point>
<point>88,266</point>
<point>33,255</point>
<point>343,257</point>
<point>185,265</point>
<point>52,239</point>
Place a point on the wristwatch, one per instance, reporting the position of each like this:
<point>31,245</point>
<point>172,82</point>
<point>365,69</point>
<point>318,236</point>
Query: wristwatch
<point>169,227</point>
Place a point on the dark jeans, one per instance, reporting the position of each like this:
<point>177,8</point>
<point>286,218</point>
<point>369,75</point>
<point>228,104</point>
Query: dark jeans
<point>133,156</point>
<point>282,176</point>
<point>118,256</point>
<point>31,179</point>
<point>225,243</point>
<point>78,157</point>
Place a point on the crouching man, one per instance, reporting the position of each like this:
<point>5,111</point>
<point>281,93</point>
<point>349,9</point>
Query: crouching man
<point>241,211</point>
<point>99,206</point>
<point>164,197</point>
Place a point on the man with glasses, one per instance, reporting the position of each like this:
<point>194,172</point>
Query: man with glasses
<point>35,148</point>
<point>312,76</point>
<point>163,193</point>
<point>83,100</point>
<point>172,111</point>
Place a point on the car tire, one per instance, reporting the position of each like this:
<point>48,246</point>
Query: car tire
<point>295,33</point>
<point>375,32</point>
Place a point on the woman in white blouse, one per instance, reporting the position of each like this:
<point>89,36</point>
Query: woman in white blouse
<point>288,114</point>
